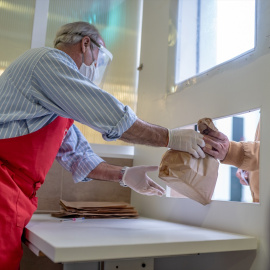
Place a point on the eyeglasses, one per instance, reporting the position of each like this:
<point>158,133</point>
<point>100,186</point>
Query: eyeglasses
<point>103,60</point>
<point>100,47</point>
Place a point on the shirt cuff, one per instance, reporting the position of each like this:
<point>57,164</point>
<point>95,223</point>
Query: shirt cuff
<point>123,125</point>
<point>81,170</point>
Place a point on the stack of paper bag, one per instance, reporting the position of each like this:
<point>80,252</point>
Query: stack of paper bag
<point>96,210</point>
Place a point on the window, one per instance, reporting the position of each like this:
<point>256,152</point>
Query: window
<point>208,33</point>
<point>241,127</point>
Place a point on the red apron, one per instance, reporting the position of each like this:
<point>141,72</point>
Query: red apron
<point>24,163</point>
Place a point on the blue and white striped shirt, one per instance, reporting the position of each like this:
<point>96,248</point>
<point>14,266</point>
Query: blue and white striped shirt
<point>44,83</point>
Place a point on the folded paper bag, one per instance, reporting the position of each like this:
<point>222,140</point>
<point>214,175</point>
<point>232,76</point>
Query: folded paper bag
<point>192,177</point>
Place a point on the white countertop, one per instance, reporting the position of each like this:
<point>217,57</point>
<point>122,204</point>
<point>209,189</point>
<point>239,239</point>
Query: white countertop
<point>104,239</point>
<point>113,151</point>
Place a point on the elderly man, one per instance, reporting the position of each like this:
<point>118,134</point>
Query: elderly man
<point>42,93</point>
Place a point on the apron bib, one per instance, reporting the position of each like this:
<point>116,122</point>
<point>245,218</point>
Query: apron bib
<point>24,164</point>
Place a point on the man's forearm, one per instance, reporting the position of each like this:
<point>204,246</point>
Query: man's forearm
<point>144,133</point>
<point>139,133</point>
<point>106,172</point>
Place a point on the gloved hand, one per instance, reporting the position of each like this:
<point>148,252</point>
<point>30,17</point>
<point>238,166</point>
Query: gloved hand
<point>136,178</point>
<point>187,140</point>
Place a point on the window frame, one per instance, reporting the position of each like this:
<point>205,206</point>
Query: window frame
<point>237,61</point>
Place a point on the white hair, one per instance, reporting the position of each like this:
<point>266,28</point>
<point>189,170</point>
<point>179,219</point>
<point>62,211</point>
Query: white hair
<point>72,33</point>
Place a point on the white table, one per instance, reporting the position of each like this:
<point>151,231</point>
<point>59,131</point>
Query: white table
<point>107,239</point>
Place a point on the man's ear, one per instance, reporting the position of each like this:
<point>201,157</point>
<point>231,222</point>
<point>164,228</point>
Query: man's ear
<point>85,42</point>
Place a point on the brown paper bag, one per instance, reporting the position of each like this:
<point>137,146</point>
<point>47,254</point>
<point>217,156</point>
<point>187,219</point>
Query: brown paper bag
<point>192,177</point>
<point>189,176</point>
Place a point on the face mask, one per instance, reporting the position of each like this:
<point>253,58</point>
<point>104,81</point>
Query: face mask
<point>97,70</point>
<point>88,71</point>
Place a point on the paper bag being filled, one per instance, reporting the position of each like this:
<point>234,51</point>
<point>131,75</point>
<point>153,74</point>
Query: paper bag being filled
<point>192,177</point>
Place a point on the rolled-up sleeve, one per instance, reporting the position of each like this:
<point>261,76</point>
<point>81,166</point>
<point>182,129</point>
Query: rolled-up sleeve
<point>243,155</point>
<point>62,89</point>
<point>76,155</point>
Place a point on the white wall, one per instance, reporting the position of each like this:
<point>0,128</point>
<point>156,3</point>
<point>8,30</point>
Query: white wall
<point>235,87</point>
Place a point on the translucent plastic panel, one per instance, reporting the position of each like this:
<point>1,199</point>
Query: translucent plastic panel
<point>212,32</point>
<point>119,24</point>
<point>16,25</point>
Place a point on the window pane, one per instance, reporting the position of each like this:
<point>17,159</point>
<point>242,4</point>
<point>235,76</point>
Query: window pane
<point>119,24</point>
<point>235,28</point>
<point>241,127</point>
<point>16,20</point>
<point>237,128</point>
<point>212,32</point>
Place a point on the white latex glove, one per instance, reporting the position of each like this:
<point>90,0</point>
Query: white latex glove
<point>136,178</point>
<point>187,140</point>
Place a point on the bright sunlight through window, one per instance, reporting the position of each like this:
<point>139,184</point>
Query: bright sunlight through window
<point>212,32</point>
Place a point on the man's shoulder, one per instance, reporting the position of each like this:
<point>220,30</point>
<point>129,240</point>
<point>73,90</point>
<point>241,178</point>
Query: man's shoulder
<point>44,51</point>
<point>32,56</point>
<point>47,54</point>
<point>44,58</point>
